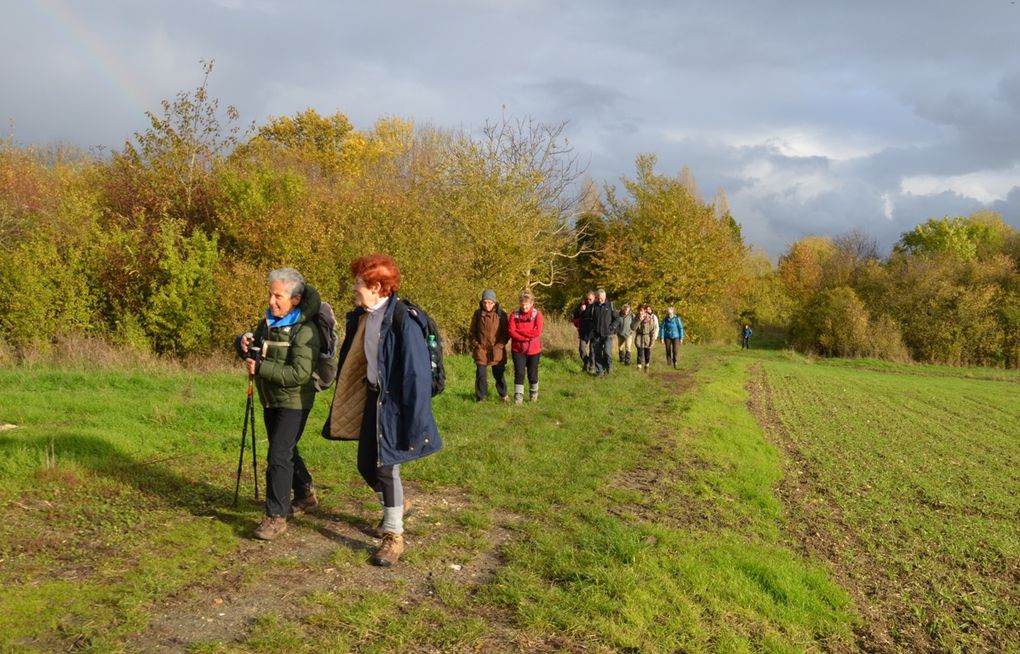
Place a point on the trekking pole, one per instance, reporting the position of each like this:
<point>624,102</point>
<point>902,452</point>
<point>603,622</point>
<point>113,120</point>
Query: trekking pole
<point>249,419</point>
<point>254,450</point>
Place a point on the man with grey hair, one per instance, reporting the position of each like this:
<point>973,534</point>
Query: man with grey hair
<point>605,321</point>
<point>281,354</point>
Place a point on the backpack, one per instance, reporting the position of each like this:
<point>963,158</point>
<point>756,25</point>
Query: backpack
<point>430,333</point>
<point>325,370</point>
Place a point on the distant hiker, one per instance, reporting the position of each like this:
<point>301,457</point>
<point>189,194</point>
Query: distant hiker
<point>672,334</point>
<point>525,327</point>
<point>605,321</point>
<point>745,337</point>
<point>488,336</point>
<point>625,334</point>
<point>384,393</point>
<point>281,353</point>
<point>585,327</point>
<point>644,336</point>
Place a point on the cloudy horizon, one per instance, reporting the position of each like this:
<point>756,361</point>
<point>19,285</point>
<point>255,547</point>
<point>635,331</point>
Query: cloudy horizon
<point>813,119</point>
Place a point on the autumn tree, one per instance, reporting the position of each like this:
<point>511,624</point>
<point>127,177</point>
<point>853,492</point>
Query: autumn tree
<point>665,246</point>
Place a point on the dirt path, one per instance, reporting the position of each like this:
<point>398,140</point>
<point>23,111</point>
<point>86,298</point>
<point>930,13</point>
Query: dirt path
<point>271,578</point>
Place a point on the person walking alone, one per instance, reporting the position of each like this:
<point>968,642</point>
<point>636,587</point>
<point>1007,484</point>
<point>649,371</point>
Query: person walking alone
<point>525,327</point>
<point>488,335</point>
<point>671,331</point>
<point>745,337</point>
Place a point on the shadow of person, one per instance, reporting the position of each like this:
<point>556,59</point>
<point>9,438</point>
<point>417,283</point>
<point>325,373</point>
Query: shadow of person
<point>156,479</point>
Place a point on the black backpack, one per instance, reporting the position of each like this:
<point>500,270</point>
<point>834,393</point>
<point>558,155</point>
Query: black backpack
<point>429,332</point>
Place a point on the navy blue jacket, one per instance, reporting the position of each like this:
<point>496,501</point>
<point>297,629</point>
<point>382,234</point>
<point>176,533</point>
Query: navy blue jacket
<point>406,429</point>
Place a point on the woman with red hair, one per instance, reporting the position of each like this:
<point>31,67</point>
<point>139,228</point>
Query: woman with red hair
<point>383,395</point>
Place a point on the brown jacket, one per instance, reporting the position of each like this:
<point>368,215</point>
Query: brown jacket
<point>489,336</point>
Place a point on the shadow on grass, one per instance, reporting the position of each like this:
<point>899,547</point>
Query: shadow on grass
<point>159,485</point>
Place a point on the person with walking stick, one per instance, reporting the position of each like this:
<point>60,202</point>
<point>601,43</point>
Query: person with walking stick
<point>281,354</point>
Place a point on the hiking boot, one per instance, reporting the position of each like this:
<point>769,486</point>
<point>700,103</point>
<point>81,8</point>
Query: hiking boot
<point>390,550</point>
<point>271,527</point>
<point>518,398</point>
<point>505,398</point>
<point>534,396</point>
<point>306,504</point>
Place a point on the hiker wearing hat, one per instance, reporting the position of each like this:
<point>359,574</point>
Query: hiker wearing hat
<point>488,336</point>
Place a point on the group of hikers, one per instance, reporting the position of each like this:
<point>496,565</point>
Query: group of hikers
<point>383,385</point>
<point>384,378</point>
<point>598,321</point>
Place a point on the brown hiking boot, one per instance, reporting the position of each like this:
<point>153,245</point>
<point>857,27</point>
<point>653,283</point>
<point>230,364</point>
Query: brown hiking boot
<point>390,550</point>
<point>306,504</point>
<point>271,527</point>
<point>408,509</point>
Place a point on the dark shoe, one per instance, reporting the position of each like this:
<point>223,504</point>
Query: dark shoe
<point>271,527</point>
<point>390,550</point>
<point>306,504</point>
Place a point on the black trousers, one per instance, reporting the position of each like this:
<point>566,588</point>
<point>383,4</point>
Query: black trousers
<point>526,363</point>
<point>644,356</point>
<point>482,380</point>
<point>382,479</point>
<point>285,470</point>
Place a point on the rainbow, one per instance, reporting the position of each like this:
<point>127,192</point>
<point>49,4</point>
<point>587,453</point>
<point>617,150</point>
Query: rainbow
<point>95,50</point>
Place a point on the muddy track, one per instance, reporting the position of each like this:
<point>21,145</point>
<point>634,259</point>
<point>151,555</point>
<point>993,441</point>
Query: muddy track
<point>272,578</point>
<point>816,528</point>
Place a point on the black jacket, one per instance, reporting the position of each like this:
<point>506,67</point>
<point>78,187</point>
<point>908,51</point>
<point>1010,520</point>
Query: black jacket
<point>605,319</point>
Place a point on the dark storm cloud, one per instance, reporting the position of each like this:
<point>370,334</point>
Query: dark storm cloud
<point>814,117</point>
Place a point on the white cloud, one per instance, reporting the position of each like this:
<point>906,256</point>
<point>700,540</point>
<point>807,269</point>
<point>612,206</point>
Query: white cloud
<point>983,186</point>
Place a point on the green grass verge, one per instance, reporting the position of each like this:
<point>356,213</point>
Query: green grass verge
<point>637,514</point>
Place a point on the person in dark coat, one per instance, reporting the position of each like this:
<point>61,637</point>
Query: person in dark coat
<point>383,395</point>
<point>605,321</point>
<point>280,354</point>
<point>585,327</point>
<point>488,336</point>
<point>745,337</point>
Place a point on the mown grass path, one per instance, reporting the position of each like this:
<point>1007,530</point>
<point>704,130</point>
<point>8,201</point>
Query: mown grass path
<point>735,505</point>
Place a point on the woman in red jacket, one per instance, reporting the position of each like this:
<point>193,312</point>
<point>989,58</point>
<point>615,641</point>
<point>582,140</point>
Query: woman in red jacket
<point>525,326</point>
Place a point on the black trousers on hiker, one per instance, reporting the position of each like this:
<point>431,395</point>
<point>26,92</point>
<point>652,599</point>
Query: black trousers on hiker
<point>526,363</point>
<point>285,470</point>
<point>482,379</point>
<point>381,479</point>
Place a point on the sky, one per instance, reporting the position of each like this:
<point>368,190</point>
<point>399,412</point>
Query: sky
<point>813,117</point>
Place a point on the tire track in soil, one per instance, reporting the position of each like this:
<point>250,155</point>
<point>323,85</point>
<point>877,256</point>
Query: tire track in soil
<point>885,627</point>
<point>300,562</point>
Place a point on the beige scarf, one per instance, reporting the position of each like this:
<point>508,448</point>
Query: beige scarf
<point>351,390</point>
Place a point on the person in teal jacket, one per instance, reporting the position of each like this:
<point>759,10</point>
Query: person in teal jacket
<point>671,331</point>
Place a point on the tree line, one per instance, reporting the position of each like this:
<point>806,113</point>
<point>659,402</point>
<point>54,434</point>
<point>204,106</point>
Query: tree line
<point>164,244</point>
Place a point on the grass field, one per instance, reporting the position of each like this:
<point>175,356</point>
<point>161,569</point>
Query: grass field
<point>748,502</point>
